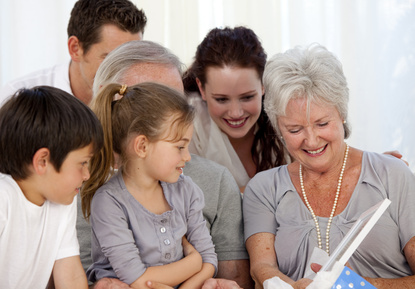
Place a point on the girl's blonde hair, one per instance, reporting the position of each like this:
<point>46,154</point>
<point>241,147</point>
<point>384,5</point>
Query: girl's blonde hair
<point>144,109</point>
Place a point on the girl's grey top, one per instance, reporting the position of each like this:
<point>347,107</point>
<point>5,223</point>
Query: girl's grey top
<point>127,238</point>
<point>271,204</point>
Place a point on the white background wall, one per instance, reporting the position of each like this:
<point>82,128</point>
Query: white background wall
<point>374,39</point>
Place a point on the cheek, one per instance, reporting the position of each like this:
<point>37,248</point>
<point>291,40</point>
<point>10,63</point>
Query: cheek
<point>215,109</point>
<point>254,107</point>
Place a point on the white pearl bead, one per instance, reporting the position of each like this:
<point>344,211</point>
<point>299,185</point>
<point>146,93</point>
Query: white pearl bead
<point>339,184</point>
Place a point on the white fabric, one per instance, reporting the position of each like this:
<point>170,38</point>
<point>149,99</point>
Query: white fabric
<point>56,76</point>
<point>322,280</point>
<point>32,238</point>
<point>210,142</point>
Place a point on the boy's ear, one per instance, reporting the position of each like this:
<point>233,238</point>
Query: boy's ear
<point>41,160</point>
<point>75,48</point>
<point>141,146</point>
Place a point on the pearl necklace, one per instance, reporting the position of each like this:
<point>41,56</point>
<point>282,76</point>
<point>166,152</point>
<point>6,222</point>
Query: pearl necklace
<point>339,184</point>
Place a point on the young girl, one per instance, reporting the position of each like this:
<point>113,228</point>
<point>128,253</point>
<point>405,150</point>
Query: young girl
<point>225,85</point>
<point>143,217</point>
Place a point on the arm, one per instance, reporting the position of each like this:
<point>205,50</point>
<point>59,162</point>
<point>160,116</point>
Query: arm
<point>196,281</point>
<point>227,233</point>
<point>264,263</point>
<point>399,283</point>
<point>174,273</point>
<point>237,270</point>
<point>68,273</point>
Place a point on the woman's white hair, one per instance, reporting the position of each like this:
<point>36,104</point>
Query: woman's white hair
<point>312,73</point>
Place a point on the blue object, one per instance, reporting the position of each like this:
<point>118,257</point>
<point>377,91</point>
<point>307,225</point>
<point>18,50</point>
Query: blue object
<point>349,279</point>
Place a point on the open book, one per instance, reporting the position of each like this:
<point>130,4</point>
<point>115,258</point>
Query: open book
<point>356,234</point>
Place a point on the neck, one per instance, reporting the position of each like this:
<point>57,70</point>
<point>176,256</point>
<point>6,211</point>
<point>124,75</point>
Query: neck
<point>244,143</point>
<point>80,88</point>
<point>29,191</point>
<point>138,183</point>
<point>243,147</point>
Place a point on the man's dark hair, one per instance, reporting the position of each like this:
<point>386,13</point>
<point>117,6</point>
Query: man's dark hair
<point>44,117</point>
<point>88,17</point>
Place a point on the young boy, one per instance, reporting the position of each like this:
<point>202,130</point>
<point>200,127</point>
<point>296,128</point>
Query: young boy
<point>47,137</point>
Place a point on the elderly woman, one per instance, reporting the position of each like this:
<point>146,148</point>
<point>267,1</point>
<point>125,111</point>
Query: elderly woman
<point>315,200</point>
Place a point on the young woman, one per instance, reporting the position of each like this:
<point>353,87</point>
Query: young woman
<point>225,85</point>
<point>144,217</point>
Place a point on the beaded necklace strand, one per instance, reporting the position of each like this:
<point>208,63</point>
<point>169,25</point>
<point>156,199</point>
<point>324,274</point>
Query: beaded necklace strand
<point>339,184</point>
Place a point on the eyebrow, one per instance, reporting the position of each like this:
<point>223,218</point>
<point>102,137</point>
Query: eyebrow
<point>242,94</point>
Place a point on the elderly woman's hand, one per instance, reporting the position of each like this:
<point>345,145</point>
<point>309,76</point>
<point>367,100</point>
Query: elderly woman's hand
<point>302,283</point>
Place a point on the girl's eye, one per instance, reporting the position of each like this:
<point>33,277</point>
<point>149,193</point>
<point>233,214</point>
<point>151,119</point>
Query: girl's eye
<point>180,148</point>
<point>84,163</point>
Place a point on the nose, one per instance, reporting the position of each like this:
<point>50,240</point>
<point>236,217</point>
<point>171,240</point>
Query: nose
<point>311,138</point>
<point>187,157</point>
<point>235,110</point>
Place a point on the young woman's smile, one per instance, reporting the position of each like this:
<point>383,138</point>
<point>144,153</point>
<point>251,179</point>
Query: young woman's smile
<point>234,98</point>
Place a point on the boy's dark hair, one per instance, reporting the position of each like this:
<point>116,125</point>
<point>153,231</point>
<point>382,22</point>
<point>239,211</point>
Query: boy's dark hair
<point>44,117</point>
<point>88,17</point>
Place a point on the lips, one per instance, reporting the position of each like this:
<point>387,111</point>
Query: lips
<point>236,123</point>
<point>316,152</point>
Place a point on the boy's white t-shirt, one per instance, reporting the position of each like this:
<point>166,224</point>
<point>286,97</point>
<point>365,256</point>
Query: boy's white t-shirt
<point>32,238</point>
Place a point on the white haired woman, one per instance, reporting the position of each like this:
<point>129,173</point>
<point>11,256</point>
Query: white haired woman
<point>314,201</point>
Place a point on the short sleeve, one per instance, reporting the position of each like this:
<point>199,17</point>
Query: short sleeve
<point>69,245</point>
<point>110,227</point>
<point>259,204</point>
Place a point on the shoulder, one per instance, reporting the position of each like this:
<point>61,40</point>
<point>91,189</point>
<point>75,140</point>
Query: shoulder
<point>8,192</point>
<point>39,77</point>
<point>112,192</point>
<point>270,177</point>
<point>48,76</point>
<point>383,164</point>
<point>184,186</point>
<point>387,173</point>
<point>272,183</point>
<point>203,166</point>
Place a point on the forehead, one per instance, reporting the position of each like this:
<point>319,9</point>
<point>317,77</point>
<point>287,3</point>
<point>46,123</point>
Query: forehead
<point>301,109</point>
<point>86,151</point>
<point>112,36</point>
<point>232,78</point>
<point>164,74</point>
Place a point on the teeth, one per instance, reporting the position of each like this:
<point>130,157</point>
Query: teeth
<point>317,151</point>
<point>236,122</point>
